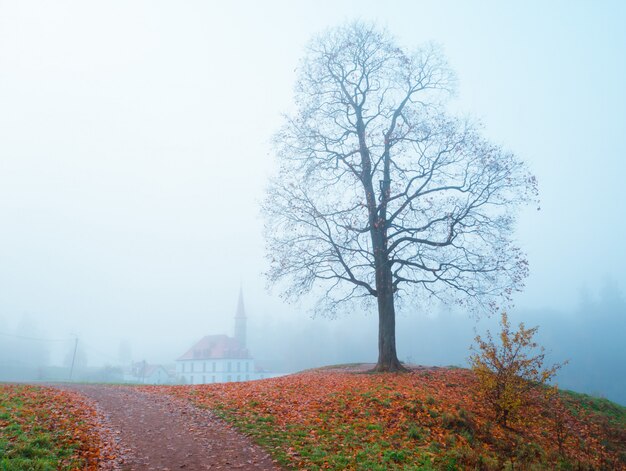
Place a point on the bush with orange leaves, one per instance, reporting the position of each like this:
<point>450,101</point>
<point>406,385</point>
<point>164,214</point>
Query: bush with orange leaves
<point>509,371</point>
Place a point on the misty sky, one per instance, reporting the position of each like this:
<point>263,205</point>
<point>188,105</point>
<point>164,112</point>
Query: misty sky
<point>135,148</point>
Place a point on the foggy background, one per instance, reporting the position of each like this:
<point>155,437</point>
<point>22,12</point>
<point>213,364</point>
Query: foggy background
<point>135,149</point>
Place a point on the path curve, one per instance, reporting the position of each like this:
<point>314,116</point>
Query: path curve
<point>157,432</point>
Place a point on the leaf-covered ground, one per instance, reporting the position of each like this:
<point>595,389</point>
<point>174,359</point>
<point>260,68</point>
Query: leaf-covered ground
<point>430,418</point>
<point>44,428</point>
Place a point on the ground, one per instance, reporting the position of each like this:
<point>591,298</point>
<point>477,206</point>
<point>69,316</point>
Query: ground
<point>156,432</point>
<point>337,418</point>
<point>428,418</point>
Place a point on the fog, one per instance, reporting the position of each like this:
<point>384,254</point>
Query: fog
<point>135,149</point>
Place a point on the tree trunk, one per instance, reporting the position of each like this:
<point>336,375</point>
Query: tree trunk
<point>387,356</point>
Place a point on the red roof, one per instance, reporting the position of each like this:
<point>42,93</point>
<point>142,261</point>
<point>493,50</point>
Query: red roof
<point>213,347</point>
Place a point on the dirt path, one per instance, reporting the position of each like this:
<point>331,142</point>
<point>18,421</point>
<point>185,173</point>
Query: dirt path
<point>160,433</point>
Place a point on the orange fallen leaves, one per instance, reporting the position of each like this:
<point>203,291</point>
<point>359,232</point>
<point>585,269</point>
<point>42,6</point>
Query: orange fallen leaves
<point>71,420</point>
<point>334,420</point>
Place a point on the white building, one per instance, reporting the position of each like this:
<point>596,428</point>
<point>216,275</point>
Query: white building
<point>220,358</point>
<point>145,373</point>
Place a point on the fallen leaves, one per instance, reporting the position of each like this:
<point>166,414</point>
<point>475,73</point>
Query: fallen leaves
<point>430,417</point>
<point>55,427</point>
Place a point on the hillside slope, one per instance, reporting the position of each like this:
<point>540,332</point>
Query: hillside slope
<point>430,418</point>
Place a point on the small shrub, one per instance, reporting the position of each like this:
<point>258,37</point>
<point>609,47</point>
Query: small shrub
<point>508,371</point>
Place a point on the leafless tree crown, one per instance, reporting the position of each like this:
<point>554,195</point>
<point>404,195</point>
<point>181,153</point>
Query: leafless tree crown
<point>372,151</point>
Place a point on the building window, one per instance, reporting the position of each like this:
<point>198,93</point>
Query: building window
<point>214,368</point>
<point>191,379</point>
<point>228,379</point>
<point>213,379</point>
<point>238,378</point>
<point>238,366</point>
<point>228,366</point>
<point>203,379</point>
<point>203,366</point>
<point>183,367</point>
<point>247,377</point>
<point>192,366</point>
<point>247,366</point>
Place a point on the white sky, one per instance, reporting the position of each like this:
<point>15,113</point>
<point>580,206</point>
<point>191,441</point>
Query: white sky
<point>134,149</point>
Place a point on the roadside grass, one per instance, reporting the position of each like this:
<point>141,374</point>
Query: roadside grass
<point>293,444</point>
<point>41,429</point>
<point>431,419</point>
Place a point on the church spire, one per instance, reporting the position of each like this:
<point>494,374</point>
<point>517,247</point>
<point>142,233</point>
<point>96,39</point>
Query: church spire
<point>240,321</point>
<point>241,311</point>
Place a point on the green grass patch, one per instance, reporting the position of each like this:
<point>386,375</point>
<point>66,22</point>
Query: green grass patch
<point>598,406</point>
<point>27,440</point>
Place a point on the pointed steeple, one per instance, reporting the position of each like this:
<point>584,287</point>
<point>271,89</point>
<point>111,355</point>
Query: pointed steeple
<point>241,311</point>
<point>240,321</point>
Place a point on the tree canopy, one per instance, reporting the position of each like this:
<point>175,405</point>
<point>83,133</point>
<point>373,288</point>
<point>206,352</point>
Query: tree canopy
<point>382,193</point>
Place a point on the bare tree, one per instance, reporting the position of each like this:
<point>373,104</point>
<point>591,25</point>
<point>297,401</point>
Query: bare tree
<point>380,193</point>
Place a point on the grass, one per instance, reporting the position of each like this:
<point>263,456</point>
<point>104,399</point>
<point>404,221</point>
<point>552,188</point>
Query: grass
<point>598,406</point>
<point>29,440</point>
<point>293,443</point>
<point>426,419</point>
<point>609,417</point>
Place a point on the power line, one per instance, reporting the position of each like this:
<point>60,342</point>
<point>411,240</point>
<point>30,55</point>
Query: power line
<point>39,339</point>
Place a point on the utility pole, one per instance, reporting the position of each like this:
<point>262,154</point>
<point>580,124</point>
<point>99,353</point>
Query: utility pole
<point>74,357</point>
